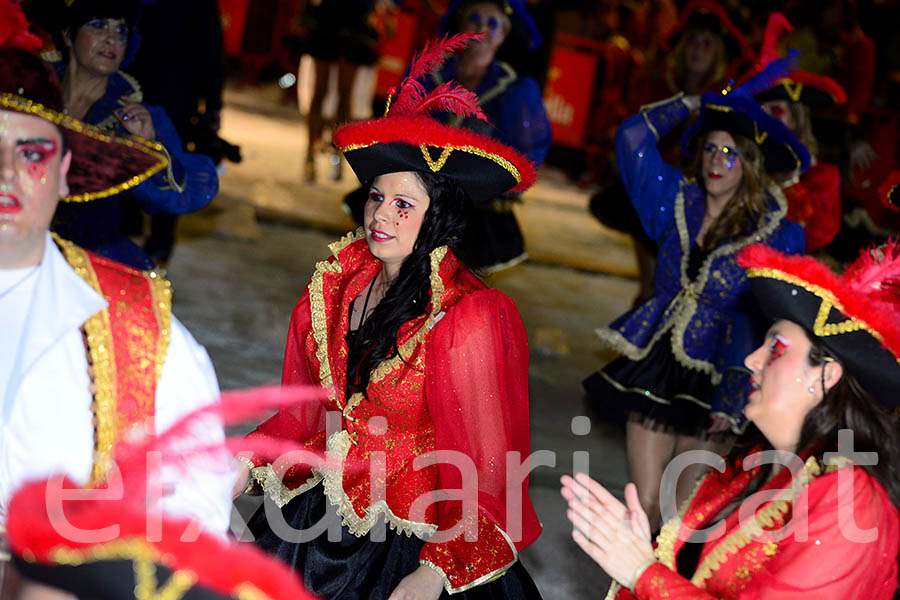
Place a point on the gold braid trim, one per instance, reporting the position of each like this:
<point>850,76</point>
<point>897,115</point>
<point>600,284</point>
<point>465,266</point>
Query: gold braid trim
<point>121,549</point>
<point>274,487</point>
<point>614,588</point>
<point>668,534</point>
<point>337,447</point>
<point>161,295</point>
<point>98,334</point>
<point>445,153</point>
<point>646,108</point>
<point>767,517</point>
<point>683,307</point>
<point>496,574</point>
<point>146,584</point>
<point>17,103</point>
<point>317,309</point>
<point>829,301</point>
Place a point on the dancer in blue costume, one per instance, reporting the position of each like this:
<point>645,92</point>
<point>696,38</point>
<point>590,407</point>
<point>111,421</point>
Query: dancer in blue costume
<point>678,381</point>
<point>513,105</point>
<point>97,40</point>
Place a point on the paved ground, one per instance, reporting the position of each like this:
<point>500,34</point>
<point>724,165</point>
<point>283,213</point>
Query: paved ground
<point>242,264</point>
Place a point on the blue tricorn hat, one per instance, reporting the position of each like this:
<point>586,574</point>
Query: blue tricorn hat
<point>737,112</point>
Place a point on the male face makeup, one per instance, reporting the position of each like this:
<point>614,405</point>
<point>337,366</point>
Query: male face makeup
<point>32,179</point>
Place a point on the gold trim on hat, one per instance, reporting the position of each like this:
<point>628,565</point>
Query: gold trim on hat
<point>10,101</point>
<point>448,149</point>
<point>829,301</point>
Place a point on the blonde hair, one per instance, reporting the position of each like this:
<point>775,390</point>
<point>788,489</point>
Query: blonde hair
<point>746,208</point>
<point>675,67</point>
<point>803,127</point>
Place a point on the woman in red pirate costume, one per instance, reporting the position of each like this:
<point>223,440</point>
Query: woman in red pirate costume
<point>419,356</point>
<point>814,196</point>
<point>821,519</point>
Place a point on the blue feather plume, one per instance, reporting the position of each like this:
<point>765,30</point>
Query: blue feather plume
<point>769,76</point>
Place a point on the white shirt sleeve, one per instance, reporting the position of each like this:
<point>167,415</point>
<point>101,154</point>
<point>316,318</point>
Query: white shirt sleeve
<point>202,488</point>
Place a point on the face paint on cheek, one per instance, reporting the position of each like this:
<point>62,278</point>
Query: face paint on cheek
<point>779,345</point>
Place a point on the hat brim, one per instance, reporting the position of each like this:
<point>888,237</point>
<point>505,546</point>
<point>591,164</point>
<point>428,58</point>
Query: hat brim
<point>207,567</point>
<point>705,15</point>
<point>103,164</point>
<point>741,115</point>
<point>802,290</point>
<point>483,167</point>
<point>815,91</point>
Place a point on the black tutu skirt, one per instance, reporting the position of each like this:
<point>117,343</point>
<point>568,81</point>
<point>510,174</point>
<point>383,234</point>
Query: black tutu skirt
<point>656,391</point>
<point>358,567</point>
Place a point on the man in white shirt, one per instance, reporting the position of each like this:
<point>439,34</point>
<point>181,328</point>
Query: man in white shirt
<point>89,350</point>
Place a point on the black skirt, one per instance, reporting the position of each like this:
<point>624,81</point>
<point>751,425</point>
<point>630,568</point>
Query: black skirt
<point>656,391</point>
<point>358,567</point>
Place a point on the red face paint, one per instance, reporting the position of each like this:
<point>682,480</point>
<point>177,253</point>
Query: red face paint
<point>38,155</point>
<point>776,349</point>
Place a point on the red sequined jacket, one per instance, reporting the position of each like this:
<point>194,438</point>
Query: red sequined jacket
<point>459,384</point>
<point>816,557</point>
<point>815,203</point>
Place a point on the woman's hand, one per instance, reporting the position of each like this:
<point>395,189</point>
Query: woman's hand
<point>243,479</point>
<point>616,536</point>
<point>693,102</point>
<point>136,119</point>
<point>422,584</point>
<point>861,155</point>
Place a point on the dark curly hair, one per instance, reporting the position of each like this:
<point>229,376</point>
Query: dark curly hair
<point>409,294</point>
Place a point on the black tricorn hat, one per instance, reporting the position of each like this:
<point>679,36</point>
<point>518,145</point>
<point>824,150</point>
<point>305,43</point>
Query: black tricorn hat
<point>856,315</point>
<point>408,139</point>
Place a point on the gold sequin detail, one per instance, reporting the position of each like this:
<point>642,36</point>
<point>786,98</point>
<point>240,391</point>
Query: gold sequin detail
<point>24,105</point>
<point>98,333</point>
<point>161,296</point>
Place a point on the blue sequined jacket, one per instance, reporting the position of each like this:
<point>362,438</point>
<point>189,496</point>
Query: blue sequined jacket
<point>712,318</point>
<point>188,184</point>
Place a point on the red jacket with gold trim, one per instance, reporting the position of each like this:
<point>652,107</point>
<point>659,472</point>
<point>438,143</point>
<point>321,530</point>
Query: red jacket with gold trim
<point>460,383</point>
<point>799,543</point>
<point>126,345</point>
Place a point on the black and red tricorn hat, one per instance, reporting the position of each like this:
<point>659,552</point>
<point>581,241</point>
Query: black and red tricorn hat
<point>889,191</point>
<point>140,558</point>
<point>407,138</point>
<point>816,91</point>
<point>855,315</point>
<point>103,164</point>
<point>106,544</point>
<point>709,15</point>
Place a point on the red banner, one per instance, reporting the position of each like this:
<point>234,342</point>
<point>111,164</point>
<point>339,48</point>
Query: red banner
<point>567,95</point>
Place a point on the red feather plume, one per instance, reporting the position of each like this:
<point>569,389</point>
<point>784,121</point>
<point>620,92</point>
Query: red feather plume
<point>876,273</point>
<point>450,97</point>
<point>776,26</point>
<point>14,28</point>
